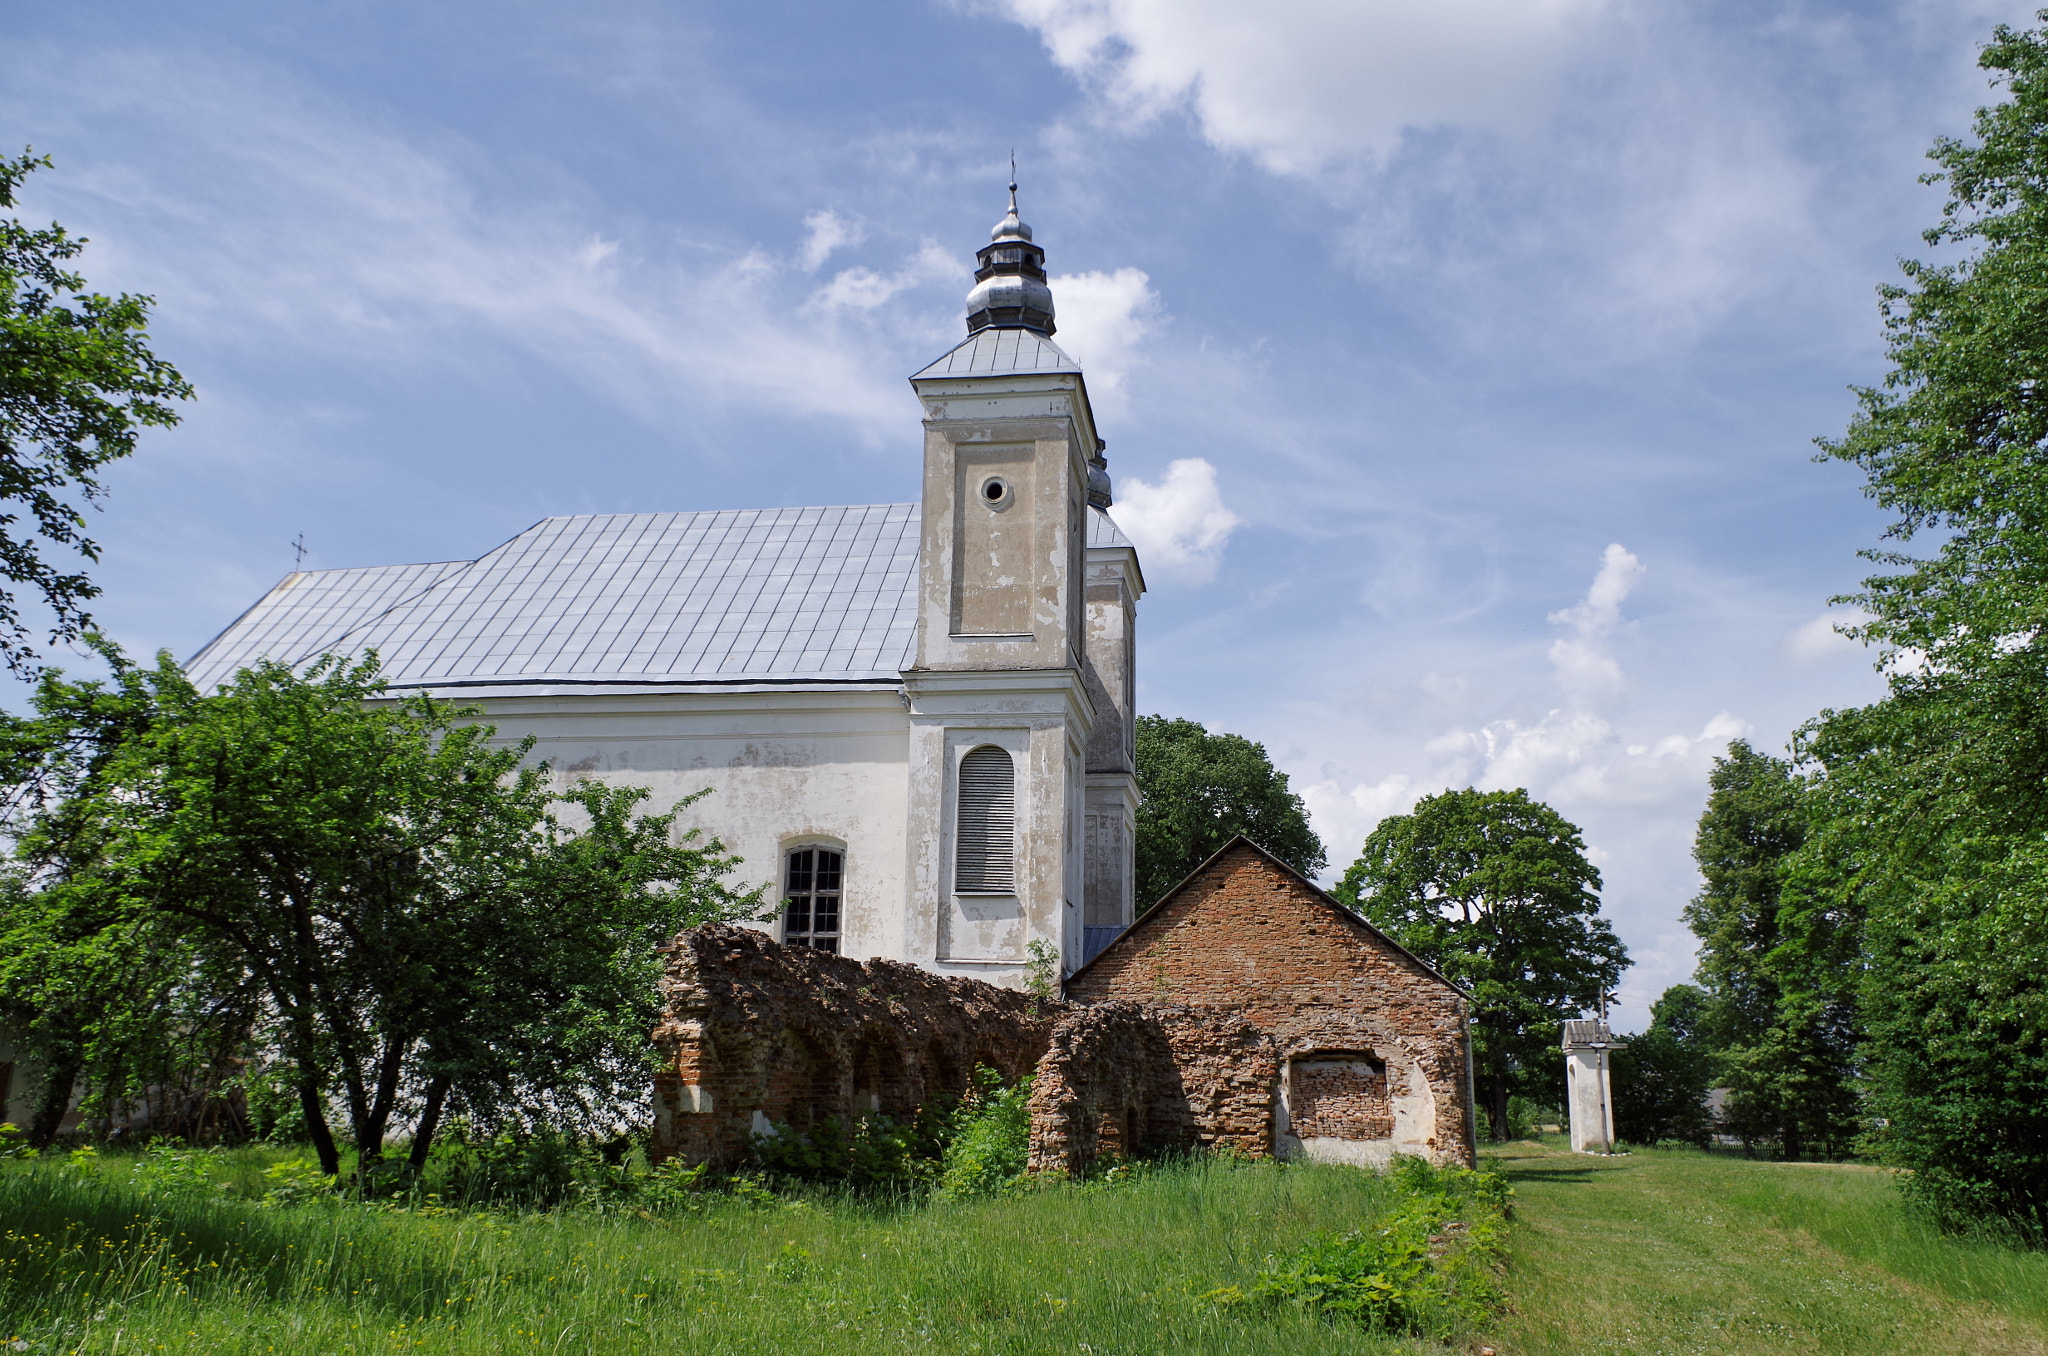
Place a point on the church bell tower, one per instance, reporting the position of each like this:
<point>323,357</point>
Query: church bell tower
<point>1011,708</point>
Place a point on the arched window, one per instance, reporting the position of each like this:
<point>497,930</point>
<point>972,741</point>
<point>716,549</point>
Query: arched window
<point>986,844</point>
<point>810,898</point>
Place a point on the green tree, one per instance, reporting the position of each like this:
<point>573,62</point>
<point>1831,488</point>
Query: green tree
<point>1200,790</point>
<point>1494,889</point>
<point>1661,1080</point>
<point>1778,958</point>
<point>1937,797</point>
<point>400,907</point>
<point>77,384</point>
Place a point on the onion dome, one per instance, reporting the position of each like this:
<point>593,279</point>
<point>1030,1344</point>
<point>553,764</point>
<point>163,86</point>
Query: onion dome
<point>1098,480</point>
<point>1009,285</point>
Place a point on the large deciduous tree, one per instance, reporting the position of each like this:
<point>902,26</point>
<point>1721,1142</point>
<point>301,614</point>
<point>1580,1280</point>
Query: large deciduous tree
<point>77,384</point>
<point>1494,889</point>
<point>1200,790</point>
<point>1936,798</point>
<point>1778,957</point>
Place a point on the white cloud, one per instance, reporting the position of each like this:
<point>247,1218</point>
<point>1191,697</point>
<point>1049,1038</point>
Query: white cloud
<point>1298,82</point>
<point>1818,641</point>
<point>1582,659</point>
<point>1344,818</point>
<point>1180,525</point>
<point>1102,319</point>
<point>825,232</point>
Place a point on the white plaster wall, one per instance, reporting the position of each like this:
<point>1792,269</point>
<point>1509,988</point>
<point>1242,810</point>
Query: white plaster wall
<point>784,766</point>
<point>1589,1100</point>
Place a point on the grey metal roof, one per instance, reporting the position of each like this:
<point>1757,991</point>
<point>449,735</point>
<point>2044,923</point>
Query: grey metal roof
<point>819,594</point>
<point>995,352</point>
<point>1585,1032</point>
<point>1103,531</point>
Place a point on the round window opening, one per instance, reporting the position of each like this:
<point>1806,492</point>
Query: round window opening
<point>995,492</point>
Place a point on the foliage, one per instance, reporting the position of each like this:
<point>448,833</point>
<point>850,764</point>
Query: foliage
<point>1428,1266</point>
<point>381,904</point>
<point>1935,801</point>
<point>1494,890</point>
<point>1661,1080</point>
<point>77,384</point>
<point>991,1139</point>
<point>1200,790</point>
<point>873,1153</point>
<point>1526,1117</point>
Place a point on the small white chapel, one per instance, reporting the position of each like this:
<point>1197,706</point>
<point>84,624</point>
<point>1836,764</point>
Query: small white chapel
<point>915,719</point>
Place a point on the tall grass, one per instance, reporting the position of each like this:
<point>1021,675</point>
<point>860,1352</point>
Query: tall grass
<point>94,1265</point>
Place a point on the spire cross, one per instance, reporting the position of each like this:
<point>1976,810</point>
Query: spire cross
<point>1013,181</point>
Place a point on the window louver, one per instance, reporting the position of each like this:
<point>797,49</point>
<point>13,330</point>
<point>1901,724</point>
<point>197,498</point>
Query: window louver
<point>987,840</point>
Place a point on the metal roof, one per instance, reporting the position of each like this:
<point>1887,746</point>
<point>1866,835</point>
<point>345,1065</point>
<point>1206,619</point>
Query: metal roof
<point>818,594</point>
<point>997,352</point>
<point>1103,531</point>
<point>727,596</point>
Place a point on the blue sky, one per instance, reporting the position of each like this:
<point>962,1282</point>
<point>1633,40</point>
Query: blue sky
<point>1459,359</point>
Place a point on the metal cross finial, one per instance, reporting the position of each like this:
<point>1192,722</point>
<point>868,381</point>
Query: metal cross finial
<point>299,549</point>
<point>1013,179</point>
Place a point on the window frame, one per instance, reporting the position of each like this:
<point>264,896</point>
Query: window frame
<point>809,935</point>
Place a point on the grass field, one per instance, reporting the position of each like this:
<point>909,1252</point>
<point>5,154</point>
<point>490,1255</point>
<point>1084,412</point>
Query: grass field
<point>1663,1252</point>
<point>1673,1251</point>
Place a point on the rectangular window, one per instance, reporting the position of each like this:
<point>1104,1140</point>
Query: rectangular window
<point>810,898</point>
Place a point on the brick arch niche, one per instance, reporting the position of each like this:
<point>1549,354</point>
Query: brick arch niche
<point>1353,1103</point>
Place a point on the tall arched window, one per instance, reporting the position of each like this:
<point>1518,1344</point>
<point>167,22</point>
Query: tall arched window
<point>810,898</point>
<point>986,843</point>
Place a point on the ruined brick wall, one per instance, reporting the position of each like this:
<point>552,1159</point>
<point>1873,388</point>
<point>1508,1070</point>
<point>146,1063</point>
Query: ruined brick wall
<point>1248,936</point>
<point>1122,1078</point>
<point>755,1033</point>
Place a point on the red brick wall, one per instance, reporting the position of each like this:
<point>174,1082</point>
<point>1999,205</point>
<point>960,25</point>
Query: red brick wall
<point>1250,936</point>
<point>749,1025</point>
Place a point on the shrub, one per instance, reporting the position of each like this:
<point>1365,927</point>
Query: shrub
<point>1427,1266</point>
<point>991,1139</point>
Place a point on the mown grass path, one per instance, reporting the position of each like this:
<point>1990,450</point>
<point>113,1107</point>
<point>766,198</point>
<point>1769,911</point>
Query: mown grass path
<point>1672,1252</point>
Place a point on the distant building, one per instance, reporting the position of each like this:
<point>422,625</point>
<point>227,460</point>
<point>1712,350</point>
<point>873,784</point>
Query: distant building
<point>915,718</point>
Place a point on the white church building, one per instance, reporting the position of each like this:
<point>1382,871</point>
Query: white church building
<point>915,719</point>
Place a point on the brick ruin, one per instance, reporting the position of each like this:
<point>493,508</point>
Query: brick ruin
<point>1245,1011</point>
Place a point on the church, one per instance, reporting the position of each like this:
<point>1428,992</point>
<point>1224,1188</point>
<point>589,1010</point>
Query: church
<point>915,719</point>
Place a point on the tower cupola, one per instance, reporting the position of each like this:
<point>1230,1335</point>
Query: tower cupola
<point>1010,291</point>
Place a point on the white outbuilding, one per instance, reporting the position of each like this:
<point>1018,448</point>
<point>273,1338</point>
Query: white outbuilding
<point>1589,1085</point>
<point>915,719</point>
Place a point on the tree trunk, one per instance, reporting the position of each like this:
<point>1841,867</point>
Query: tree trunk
<point>430,1121</point>
<point>316,1126</point>
<point>370,1135</point>
<point>1497,1106</point>
<point>60,1078</point>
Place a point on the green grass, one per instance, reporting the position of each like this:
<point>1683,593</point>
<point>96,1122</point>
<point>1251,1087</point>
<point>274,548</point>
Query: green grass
<point>1675,1251</point>
<point>1660,1253</point>
<point>85,1264</point>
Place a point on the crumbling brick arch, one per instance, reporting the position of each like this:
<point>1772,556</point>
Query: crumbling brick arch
<point>882,1080</point>
<point>1107,1086</point>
